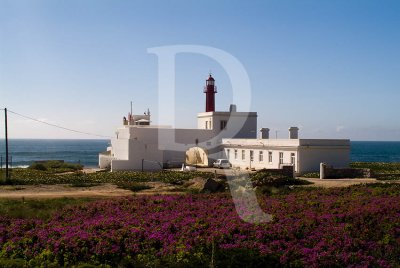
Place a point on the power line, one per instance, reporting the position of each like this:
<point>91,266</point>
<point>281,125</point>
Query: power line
<point>58,126</point>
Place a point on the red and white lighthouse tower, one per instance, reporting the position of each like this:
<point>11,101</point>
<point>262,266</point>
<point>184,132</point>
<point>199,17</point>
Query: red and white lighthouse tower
<point>210,89</point>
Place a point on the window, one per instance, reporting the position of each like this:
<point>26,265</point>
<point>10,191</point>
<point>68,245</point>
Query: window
<point>251,155</point>
<point>292,158</point>
<point>223,124</point>
<point>280,158</point>
<point>260,156</point>
<point>235,154</point>
<point>206,124</point>
<point>228,153</point>
<point>243,155</point>
<point>270,157</point>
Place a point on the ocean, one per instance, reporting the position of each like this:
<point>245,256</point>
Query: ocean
<point>24,152</point>
<point>375,151</point>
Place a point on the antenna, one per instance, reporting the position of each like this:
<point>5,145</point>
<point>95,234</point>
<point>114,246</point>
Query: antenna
<point>131,107</point>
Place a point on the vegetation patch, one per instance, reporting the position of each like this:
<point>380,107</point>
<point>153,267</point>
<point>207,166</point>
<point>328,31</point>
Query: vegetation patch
<point>36,208</point>
<point>53,166</point>
<point>380,170</point>
<point>314,175</point>
<point>268,183</point>
<point>265,178</point>
<point>20,176</point>
<point>378,167</point>
<point>339,227</point>
<point>133,186</point>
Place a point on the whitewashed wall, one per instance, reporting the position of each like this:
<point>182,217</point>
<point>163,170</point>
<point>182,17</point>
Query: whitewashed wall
<point>257,163</point>
<point>239,124</point>
<point>308,153</point>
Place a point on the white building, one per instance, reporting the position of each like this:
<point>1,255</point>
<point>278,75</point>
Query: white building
<point>138,145</point>
<point>304,154</point>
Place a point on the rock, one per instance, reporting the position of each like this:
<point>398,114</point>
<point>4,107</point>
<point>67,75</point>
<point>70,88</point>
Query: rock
<point>205,185</point>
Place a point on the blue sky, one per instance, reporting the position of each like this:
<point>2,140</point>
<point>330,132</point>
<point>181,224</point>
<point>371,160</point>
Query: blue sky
<point>329,67</point>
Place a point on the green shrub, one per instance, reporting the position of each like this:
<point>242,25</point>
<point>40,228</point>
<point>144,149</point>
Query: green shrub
<point>265,178</point>
<point>12,263</point>
<point>311,175</point>
<point>72,166</point>
<point>378,167</point>
<point>38,166</point>
<point>380,170</point>
<point>54,166</point>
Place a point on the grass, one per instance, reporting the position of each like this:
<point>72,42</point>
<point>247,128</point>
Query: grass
<point>53,166</point>
<point>20,176</point>
<point>382,171</point>
<point>36,208</point>
<point>378,167</point>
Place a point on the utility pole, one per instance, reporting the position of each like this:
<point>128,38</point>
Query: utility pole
<point>6,128</point>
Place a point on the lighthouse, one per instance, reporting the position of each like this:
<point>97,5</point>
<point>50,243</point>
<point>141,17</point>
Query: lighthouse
<point>210,89</point>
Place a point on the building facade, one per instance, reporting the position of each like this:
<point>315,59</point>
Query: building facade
<point>138,145</point>
<point>304,154</point>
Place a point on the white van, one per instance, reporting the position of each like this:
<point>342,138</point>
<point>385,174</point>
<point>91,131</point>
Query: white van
<point>222,163</point>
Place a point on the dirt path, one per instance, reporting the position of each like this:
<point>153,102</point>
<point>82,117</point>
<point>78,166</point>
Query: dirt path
<point>328,183</point>
<point>65,190</point>
<point>61,190</point>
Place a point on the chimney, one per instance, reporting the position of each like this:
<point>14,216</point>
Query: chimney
<point>232,108</point>
<point>293,133</point>
<point>264,133</point>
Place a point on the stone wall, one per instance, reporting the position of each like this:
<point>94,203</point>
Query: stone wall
<point>285,171</point>
<point>327,172</point>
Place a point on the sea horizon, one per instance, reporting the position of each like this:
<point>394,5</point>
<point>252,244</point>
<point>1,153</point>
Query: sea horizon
<point>109,139</point>
<point>24,152</point>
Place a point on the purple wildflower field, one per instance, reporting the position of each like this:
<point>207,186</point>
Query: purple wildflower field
<point>356,226</point>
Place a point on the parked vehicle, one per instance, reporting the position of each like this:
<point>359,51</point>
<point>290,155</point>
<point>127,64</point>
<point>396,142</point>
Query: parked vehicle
<point>222,163</point>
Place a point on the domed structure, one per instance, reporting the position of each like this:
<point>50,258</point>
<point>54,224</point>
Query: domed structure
<point>210,78</point>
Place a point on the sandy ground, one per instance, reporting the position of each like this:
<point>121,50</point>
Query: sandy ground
<point>61,190</point>
<point>111,190</point>
<point>328,183</point>
<point>65,190</point>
